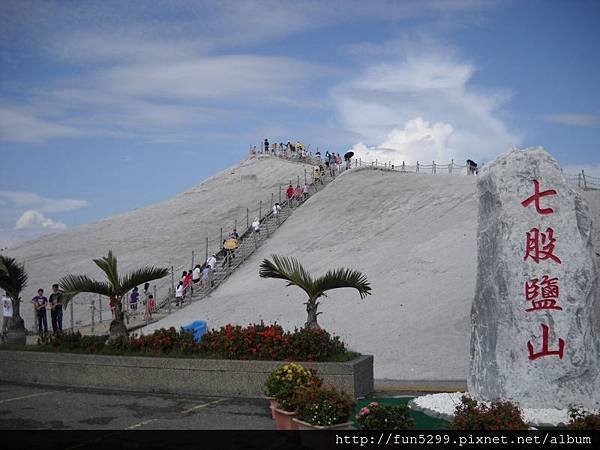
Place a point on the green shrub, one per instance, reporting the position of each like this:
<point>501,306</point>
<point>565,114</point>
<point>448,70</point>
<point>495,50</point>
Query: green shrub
<point>308,344</point>
<point>71,341</point>
<point>376,416</point>
<point>583,420</point>
<point>500,415</point>
<point>322,406</point>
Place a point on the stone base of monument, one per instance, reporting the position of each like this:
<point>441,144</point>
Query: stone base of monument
<point>442,407</point>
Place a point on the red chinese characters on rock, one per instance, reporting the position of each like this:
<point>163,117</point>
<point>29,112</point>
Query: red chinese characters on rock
<point>540,246</point>
<point>545,350</point>
<point>543,294</point>
<point>535,198</point>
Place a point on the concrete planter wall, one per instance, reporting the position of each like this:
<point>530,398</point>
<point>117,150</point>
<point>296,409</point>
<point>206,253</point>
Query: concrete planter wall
<point>171,375</point>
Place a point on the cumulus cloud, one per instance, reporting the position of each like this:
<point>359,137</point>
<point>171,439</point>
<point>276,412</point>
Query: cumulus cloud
<point>24,215</point>
<point>32,219</point>
<point>430,139</point>
<point>419,105</point>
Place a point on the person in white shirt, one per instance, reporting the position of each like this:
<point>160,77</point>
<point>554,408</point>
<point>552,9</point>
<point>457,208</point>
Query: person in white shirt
<point>196,274</point>
<point>7,313</point>
<point>276,209</point>
<point>179,293</point>
<point>211,262</point>
<point>256,225</point>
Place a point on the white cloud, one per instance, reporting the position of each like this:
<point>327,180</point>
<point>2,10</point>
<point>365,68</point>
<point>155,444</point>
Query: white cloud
<point>581,120</point>
<point>423,107</point>
<point>431,140</point>
<point>18,125</point>
<point>32,219</point>
<point>216,77</point>
<point>153,101</point>
<point>149,71</point>
<point>21,199</point>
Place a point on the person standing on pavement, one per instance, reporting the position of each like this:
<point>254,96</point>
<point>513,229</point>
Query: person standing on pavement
<point>39,303</point>
<point>147,295</point>
<point>7,313</point>
<point>133,299</point>
<point>56,309</point>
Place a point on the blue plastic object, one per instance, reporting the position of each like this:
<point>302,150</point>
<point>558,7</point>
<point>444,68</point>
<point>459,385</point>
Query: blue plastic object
<point>198,328</point>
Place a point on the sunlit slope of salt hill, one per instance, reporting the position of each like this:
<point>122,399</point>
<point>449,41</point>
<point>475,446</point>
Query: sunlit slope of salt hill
<point>413,235</point>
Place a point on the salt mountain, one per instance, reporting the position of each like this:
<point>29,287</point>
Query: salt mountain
<point>413,235</point>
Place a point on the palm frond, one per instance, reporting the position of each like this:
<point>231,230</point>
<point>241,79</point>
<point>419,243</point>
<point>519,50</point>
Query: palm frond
<point>141,276</point>
<point>288,269</point>
<point>108,265</point>
<point>343,278</point>
<point>71,285</point>
<point>13,277</point>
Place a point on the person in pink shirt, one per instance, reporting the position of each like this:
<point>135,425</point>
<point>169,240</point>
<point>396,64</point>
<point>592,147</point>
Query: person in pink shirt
<point>187,281</point>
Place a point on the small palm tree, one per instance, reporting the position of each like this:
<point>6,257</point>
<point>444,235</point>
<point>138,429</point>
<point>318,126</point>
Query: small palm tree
<point>115,287</point>
<point>293,272</point>
<point>13,280</point>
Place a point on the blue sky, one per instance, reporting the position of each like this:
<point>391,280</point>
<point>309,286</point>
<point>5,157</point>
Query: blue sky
<point>106,106</point>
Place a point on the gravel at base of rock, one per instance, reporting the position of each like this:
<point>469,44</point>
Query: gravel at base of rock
<point>443,405</point>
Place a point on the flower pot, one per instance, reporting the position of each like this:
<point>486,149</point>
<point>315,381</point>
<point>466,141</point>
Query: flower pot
<point>283,419</point>
<point>274,404</point>
<point>301,425</point>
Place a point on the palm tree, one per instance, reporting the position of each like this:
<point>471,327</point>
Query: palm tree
<point>293,272</point>
<point>13,280</point>
<point>115,287</point>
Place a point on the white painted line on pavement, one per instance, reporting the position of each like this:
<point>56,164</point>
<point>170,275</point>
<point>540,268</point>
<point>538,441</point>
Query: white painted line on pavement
<point>194,408</point>
<point>141,424</point>
<point>39,394</point>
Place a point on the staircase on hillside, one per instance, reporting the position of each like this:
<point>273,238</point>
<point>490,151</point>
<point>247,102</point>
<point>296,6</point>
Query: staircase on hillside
<point>249,242</point>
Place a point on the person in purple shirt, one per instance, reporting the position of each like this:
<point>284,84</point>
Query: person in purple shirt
<point>39,303</point>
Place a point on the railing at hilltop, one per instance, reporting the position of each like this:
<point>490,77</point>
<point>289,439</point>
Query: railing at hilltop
<point>582,180</point>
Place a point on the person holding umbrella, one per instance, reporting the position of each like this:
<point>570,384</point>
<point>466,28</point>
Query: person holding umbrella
<point>347,157</point>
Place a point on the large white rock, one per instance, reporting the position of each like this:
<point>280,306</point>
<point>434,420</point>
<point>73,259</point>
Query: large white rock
<point>505,337</point>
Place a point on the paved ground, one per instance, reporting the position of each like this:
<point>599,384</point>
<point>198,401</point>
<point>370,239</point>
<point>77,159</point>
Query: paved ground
<point>41,407</point>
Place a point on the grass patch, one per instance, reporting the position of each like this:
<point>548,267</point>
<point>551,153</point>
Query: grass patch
<point>422,421</point>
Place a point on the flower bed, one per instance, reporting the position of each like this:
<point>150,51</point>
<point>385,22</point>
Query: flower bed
<point>254,342</point>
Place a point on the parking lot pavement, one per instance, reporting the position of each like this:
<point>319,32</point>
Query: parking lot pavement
<point>44,407</point>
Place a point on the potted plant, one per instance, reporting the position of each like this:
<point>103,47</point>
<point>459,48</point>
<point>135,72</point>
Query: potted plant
<point>281,386</point>
<point>322,408</point>
<point>376,416</point>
